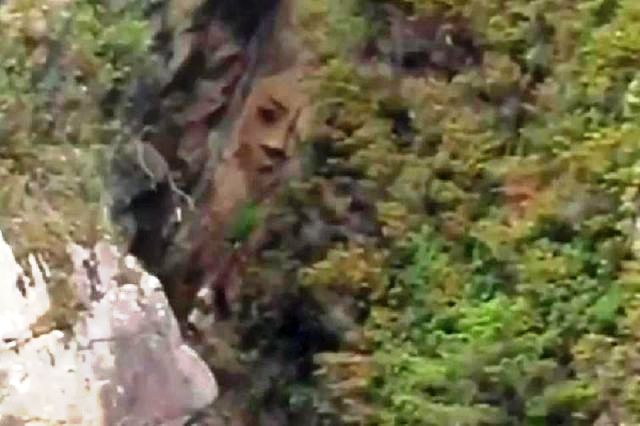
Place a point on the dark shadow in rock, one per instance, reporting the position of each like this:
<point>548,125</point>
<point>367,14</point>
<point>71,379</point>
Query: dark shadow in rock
<point>243,17</point>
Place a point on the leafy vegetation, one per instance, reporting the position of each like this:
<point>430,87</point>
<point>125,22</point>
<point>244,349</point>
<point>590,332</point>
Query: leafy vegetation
<point>63,58</point>
<point>60,60</point>
<point>465,235</point>
<point>502,285</point>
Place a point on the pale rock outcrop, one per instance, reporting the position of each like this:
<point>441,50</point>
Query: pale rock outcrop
<point>122,363</point>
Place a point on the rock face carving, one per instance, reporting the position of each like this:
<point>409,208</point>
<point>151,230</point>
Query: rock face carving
<point>260,155</point>
<point>123,361</point>
<point>217,130</point>
<point>261,144</point>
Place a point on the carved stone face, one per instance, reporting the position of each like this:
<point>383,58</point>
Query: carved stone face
<point>269,120</point>
<point>262,142</point>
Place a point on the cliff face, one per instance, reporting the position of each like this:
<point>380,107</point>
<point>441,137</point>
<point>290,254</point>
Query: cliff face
<point>216,139</point>
<point>362,212</point>
<point>87,335</point>
<point>105,367</point>
<point>215,130</point>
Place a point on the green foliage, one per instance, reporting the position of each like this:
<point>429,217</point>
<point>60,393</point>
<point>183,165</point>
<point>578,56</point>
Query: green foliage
<point>244,222</point>
<point>482,265</point>
<point>62,58</point>
<point>508,254</point>
<point>332,26</point>
<point>454,357</point>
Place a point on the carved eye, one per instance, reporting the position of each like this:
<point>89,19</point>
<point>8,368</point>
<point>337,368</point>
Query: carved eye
<point>271,113</point>
<point>267,115</point>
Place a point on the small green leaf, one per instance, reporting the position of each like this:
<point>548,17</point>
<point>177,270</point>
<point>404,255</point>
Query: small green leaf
<point>606,308</point>
<point>244,223</point>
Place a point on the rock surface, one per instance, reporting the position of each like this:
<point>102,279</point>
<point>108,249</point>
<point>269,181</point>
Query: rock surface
<point>123,362</point>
